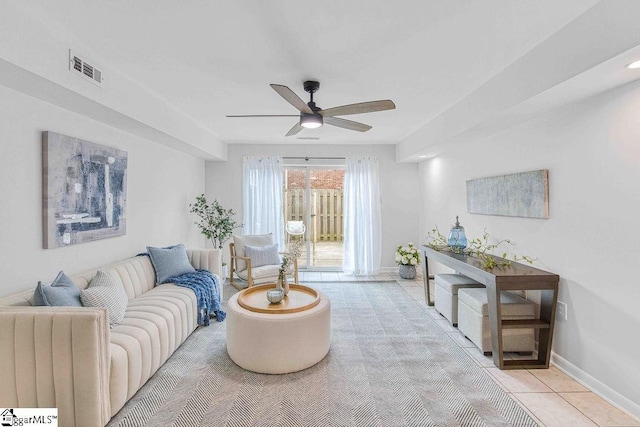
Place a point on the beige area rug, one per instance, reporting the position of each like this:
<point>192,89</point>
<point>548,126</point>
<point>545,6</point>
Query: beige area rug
<point>390,364</point>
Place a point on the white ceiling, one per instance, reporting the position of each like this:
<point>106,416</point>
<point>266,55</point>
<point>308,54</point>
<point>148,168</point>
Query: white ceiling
<point>208,59</point>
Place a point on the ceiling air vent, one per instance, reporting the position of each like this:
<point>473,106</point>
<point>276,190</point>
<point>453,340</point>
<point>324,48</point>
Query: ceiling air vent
<point>310,138</point>
<point>81,68</point>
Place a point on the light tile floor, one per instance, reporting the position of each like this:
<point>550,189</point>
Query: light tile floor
<point>551,397</point>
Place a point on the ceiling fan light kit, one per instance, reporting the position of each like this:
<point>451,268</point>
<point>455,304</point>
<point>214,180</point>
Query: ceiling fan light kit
<point>312,116</point>
<point>311,121</point>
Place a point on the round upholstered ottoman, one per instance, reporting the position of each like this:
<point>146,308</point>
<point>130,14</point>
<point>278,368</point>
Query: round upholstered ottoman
<point>274,339</point>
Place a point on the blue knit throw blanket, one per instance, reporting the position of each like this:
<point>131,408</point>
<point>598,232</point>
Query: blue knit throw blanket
<point>206,286</point>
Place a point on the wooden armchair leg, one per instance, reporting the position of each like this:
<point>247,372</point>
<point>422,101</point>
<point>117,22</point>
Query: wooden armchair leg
<point>235,285</point>
<point>233,282</point>
<point>232,267</point>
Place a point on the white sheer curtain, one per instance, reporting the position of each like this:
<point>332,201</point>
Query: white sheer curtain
<point>262,197</point>
<point>362,225</point>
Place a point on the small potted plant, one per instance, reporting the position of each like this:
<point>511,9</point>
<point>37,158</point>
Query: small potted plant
<point>215,222</point>
<point>407,257</point>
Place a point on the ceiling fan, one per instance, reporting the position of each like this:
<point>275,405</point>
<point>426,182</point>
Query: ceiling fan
<point>312,116</point>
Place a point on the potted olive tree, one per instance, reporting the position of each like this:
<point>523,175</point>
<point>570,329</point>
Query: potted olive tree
<point>215,222</point>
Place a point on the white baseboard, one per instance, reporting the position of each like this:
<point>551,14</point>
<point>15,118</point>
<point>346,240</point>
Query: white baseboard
<point>396,269</point>
<point>595,385</point>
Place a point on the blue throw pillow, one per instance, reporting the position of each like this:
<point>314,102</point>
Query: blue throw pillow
<point>265,255</point>
<point>169,262</point>
<point>61,293</point>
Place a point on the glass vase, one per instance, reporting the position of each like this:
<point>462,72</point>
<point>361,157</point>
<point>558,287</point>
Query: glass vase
<point>457,240</point>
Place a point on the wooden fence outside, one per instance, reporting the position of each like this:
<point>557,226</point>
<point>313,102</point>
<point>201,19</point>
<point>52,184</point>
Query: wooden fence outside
<point>326,212</point>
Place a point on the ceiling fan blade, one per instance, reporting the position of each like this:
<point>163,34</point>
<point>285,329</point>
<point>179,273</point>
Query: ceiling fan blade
<point>295,129</point>
<point>347,124</point>
<point>362,107</point>
<point>291,97</point>
<point>265,115</point>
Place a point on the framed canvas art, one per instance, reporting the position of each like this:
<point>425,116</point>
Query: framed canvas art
<point>84,191</point>
<point>524,194</point>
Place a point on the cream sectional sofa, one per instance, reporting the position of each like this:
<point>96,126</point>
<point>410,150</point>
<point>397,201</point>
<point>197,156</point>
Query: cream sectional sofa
<point>68,357</point>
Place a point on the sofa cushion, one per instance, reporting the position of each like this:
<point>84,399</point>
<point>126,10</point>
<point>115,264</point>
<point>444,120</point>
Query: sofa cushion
<point>264,255</point>
<point>61,293</point>
<point>169,262</point>
<point>136,275</point>
<point>262,274</point>
<point>106,291</point>
<point>255,240</point>
<point>154,326</point>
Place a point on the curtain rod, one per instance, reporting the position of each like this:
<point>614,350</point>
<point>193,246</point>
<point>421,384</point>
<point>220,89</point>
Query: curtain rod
<point>307,158</point>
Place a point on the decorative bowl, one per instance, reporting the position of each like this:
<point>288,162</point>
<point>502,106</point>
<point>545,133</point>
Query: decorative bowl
<point>275,296</point>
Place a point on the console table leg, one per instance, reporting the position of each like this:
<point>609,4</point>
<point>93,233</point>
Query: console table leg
<point>548,301</point>
<point>425,279</point>
<point>495,319</point>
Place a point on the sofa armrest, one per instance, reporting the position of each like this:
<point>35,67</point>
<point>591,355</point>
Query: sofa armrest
<point>56,357</point>
<point>206,259</point>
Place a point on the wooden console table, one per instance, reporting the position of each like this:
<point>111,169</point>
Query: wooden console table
<point>515,277</point>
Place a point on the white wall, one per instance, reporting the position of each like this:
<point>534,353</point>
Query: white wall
<point>398,185</point>
<point>34,59</point>
<point>592,151</point>
<point>161,183</point>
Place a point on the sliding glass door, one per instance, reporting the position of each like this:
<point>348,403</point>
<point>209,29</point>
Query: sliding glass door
<point>313,195</point>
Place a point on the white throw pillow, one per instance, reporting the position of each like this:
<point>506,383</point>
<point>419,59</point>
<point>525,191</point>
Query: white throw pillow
<point>255,240</point>
<point>265,255</point>
<point>106,291</point>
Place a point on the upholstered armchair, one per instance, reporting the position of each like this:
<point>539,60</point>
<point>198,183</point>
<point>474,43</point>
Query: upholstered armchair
<point>255,259</point>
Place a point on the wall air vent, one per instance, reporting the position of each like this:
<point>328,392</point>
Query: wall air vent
<point>81,68</point>
<point>310,138</point>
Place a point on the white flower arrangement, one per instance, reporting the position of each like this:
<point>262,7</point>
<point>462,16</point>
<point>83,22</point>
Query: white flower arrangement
<point>407,255</point>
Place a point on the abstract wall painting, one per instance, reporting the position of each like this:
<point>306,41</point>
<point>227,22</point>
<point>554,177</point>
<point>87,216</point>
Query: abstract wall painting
<point>524,194</point>
<point>84,191</point>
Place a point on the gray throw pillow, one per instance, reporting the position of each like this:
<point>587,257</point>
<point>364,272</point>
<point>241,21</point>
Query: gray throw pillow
<point>169,262</point>
<point>265,255</point>
<point>255,240</point>
<point>107,292</point>
<point>61,293</point>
